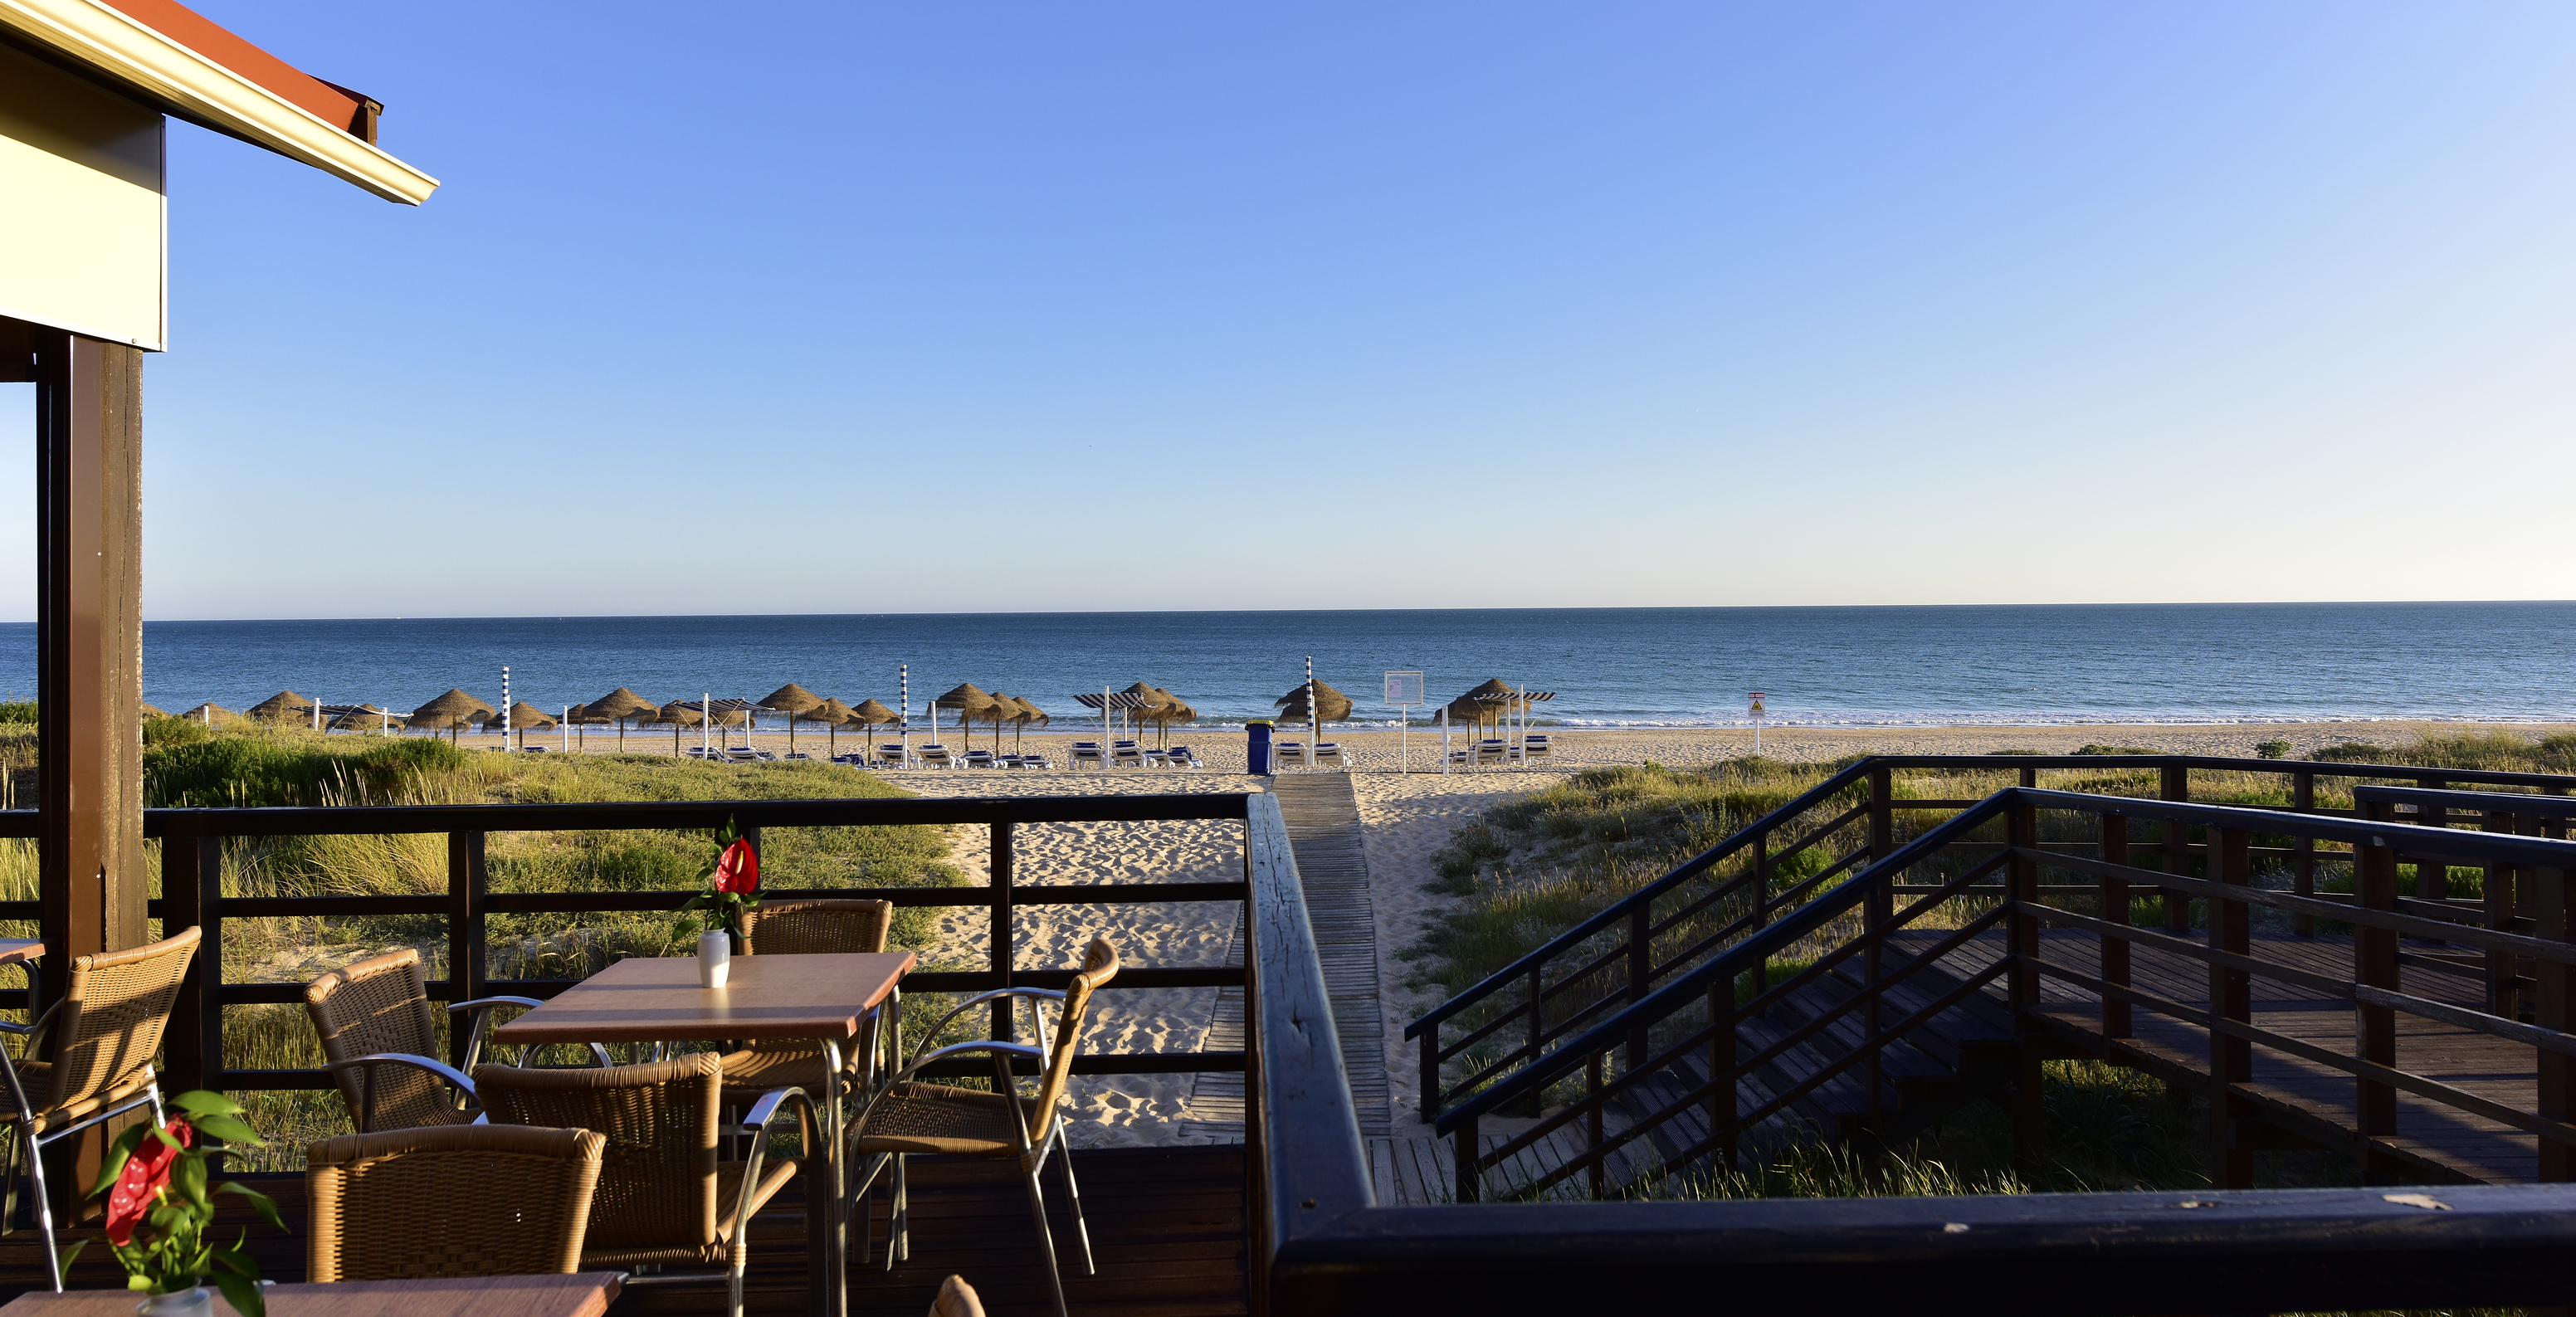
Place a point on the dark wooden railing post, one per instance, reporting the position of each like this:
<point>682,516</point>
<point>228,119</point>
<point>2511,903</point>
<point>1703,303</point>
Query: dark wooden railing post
<point>1003,956</point>
<point>1466,1147</point>
<point>1431,1091</point>
<point>2374,952</point>
<point>2432,876</point>
<point>1760,974</point>
<point>2495,889</point>
<point>467,881</point>
<point>2554,1007</point>
<point>1878,910</point>
<point>2303,860</point>
<point>2021,927</point>
<point>2231,997</point>
<point>1641,953</point>
<point>1721,1069</point>
<point>1596,1176</point>
<point>2175,785</point>
<point>2116,1022</point>
<point>209,967</point>
<point>181,897</point>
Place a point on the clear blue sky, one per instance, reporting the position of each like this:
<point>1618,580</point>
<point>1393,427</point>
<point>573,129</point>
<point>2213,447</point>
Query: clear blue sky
<point>869,307</point>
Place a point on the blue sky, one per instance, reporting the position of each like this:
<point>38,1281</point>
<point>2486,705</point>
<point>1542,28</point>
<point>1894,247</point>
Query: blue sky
<point>860,308</point>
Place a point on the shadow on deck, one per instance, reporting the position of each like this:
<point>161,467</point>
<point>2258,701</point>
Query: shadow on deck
<point>1167,1228</point>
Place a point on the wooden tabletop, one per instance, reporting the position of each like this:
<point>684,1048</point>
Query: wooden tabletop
<point>658,1000</point>
<point>20,948</point>
<point>585,1294</point>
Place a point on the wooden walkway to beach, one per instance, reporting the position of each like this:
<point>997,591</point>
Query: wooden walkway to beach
<point>2443,1143</point>
<point>1323,816</point>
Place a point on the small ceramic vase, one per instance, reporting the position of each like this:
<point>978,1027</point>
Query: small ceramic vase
<point>198,1302</point>
<point>715,957</point>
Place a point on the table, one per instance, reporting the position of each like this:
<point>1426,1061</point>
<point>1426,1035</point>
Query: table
<point>823,997</point>
<point>584,1294</point>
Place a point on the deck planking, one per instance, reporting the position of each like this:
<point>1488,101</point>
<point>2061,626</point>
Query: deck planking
<point>1322,812</point>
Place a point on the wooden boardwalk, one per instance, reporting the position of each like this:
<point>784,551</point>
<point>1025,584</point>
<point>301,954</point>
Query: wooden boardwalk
<point>2439,1141</point>
<point>1167,1227</point>
<point>1323,816</point>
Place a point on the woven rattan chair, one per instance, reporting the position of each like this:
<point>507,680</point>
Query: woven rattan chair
<point>795,928</point>
<point>908,1118</point>
<point>664,1199</point>
<point>381,1043</point>
<point>103,1035</point>
<point>463,1200</point>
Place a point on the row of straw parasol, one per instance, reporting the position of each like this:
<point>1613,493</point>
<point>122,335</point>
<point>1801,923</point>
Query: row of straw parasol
<point>974,705</point>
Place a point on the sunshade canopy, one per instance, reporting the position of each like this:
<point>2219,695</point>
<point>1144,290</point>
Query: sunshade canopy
<point>830,711</point>
<point>524,715</point>
<point>451,709</point>
<point>871,712</point>
<point>791,698</point>
<point>1334,706</point>
<point>284,706</point>
<point>620,703</point>
<point>966,696</point>
<point>365,718</point>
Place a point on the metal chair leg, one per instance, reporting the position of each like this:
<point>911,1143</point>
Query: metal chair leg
<point>1073,1194</point>
<point>1046,1243</point>
<point>44,1211</point>
<point>733,1289</point>
<point>899,1229</point>
<point>9,1192</point>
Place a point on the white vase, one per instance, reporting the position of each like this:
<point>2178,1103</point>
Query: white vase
<point>198,1302</point>
<point>715,958</point>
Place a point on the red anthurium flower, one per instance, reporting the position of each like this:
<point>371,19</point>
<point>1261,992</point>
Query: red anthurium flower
<point>738,870</point>
<point>146,1174</point>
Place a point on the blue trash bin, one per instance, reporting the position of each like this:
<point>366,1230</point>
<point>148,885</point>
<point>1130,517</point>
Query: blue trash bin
<point>1256,746</point>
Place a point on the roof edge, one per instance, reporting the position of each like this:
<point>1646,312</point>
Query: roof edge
<point>197,87</point>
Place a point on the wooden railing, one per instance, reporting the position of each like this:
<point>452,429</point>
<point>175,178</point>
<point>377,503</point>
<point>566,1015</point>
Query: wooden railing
<point>1613,960</point>
<point>1322,1243</point>
<point>192,842</point>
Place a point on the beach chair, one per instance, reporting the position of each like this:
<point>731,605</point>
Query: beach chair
<point>935,756</point>
<point>893,756</point>
<point>1288,754</point>
<point>1036,761</point>
<point>1329,754</point>
<point>1493,752</point>
<point>1533,747</point>
<point>796,754</point>
<point>1126,755</point>
<point>1087,752</point>
<point>1181,756</point>
<point>977,759</point>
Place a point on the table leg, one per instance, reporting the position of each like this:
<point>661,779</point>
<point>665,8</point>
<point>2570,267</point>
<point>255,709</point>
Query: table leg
<point>836,1297</point>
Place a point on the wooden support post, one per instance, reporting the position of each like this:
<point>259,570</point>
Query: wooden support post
<point>1878,911</point>
<point>1722,1106</point>
<point>2116,1022</point>
<point>2022,936</point>
<point>207,970</point>
<point>2374,952</point>
<point>89,648</point>
<point>183,1042</point>
<point>2554,1007</point>
<point>1465,1147</point>
<point>2176,785</point>
<point>2231,997</point>
<point>1595,1176</point>
<point>1001,930</point>
<point>468,881</point>
<point>2303,861</point>
<point>1528,1104</point>
<point>1430,1071</point>
<point>1641,961</point>
<point>2495,890</point>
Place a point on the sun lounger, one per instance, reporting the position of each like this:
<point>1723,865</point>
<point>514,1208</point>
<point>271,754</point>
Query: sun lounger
<point>1086,752</point>
<point>1329,753</point>
<point>893,755</point>
<point>1035,761</point>
<point>1126,755</point>
<point>796,754</point>
<point>977,759</point>
<point>1533,747</point>
<point>935,756</point>
<point>1493,752</point>
<point>1181,756</point>
<point>1288,754</point>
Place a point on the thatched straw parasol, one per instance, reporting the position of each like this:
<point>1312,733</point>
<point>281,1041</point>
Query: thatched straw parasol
<point>451,711</point>
<point>150,712</point>
<point>830,713</point>
<point>365,718</point>
<point>284,706</point>
<point>618,706</point>
<point>211,714</point>
<point>1485,702</point>
<point>525,717</point>
<point>871,715</point>
<point>1164,715</point>
<point>969,701</point>
<point>1029,713</point>
<point>792,700</point>
<point>679,714</point>
<point>1332,704</point>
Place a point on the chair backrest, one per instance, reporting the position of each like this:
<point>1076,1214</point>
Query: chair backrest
<point>464,1200</point>
<point>112,1018</point>
<point>381,1004</point>
<point>796,928</point>
<point>1099,965</point>
<point>657,1180</point>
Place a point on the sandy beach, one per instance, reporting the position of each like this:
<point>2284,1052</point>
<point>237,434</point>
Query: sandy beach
<point>1406,818</point>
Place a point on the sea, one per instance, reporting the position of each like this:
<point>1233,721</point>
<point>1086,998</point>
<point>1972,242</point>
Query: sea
<point>1608,667</point>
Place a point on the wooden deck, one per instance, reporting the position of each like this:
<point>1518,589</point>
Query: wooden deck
<point>1167,1227</point>
<point>1323,816</point>
<point>2439,1141</point>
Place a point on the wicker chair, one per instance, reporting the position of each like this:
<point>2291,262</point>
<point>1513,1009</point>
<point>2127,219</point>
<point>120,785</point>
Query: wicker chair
<point>795,928</point>
<point>664,1198</point>
<point>381,1043</point>
<point>907,1118</point>
<point>104,1033</point>
<point>463,1200</point>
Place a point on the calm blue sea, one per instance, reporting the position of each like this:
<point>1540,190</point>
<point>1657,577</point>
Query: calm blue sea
<point>1611,667</point>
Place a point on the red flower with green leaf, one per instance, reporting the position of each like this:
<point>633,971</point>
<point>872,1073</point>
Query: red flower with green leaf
<point>732,878</point>
<point>145,1178</point>
<point>159,1203</point>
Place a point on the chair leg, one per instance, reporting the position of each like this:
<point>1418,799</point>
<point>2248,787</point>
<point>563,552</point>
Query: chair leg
<point>899,1220</point>
<point>733,1287</point>
<point>1073,1194</point>
<point>44,1211</point>
<point>9,1192</point>
<point>1046,1242</point>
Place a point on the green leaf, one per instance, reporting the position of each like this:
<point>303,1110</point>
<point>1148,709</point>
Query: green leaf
<point>206,1102</point>
<point>72,1255</point>
<point>234,1261</point>
<point>118,1152</point>
<point>243,1293</point>
<point>166,1137</point>
<point>189,1177</point>
<point>260,1202</point>
<point>231,1129</point>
